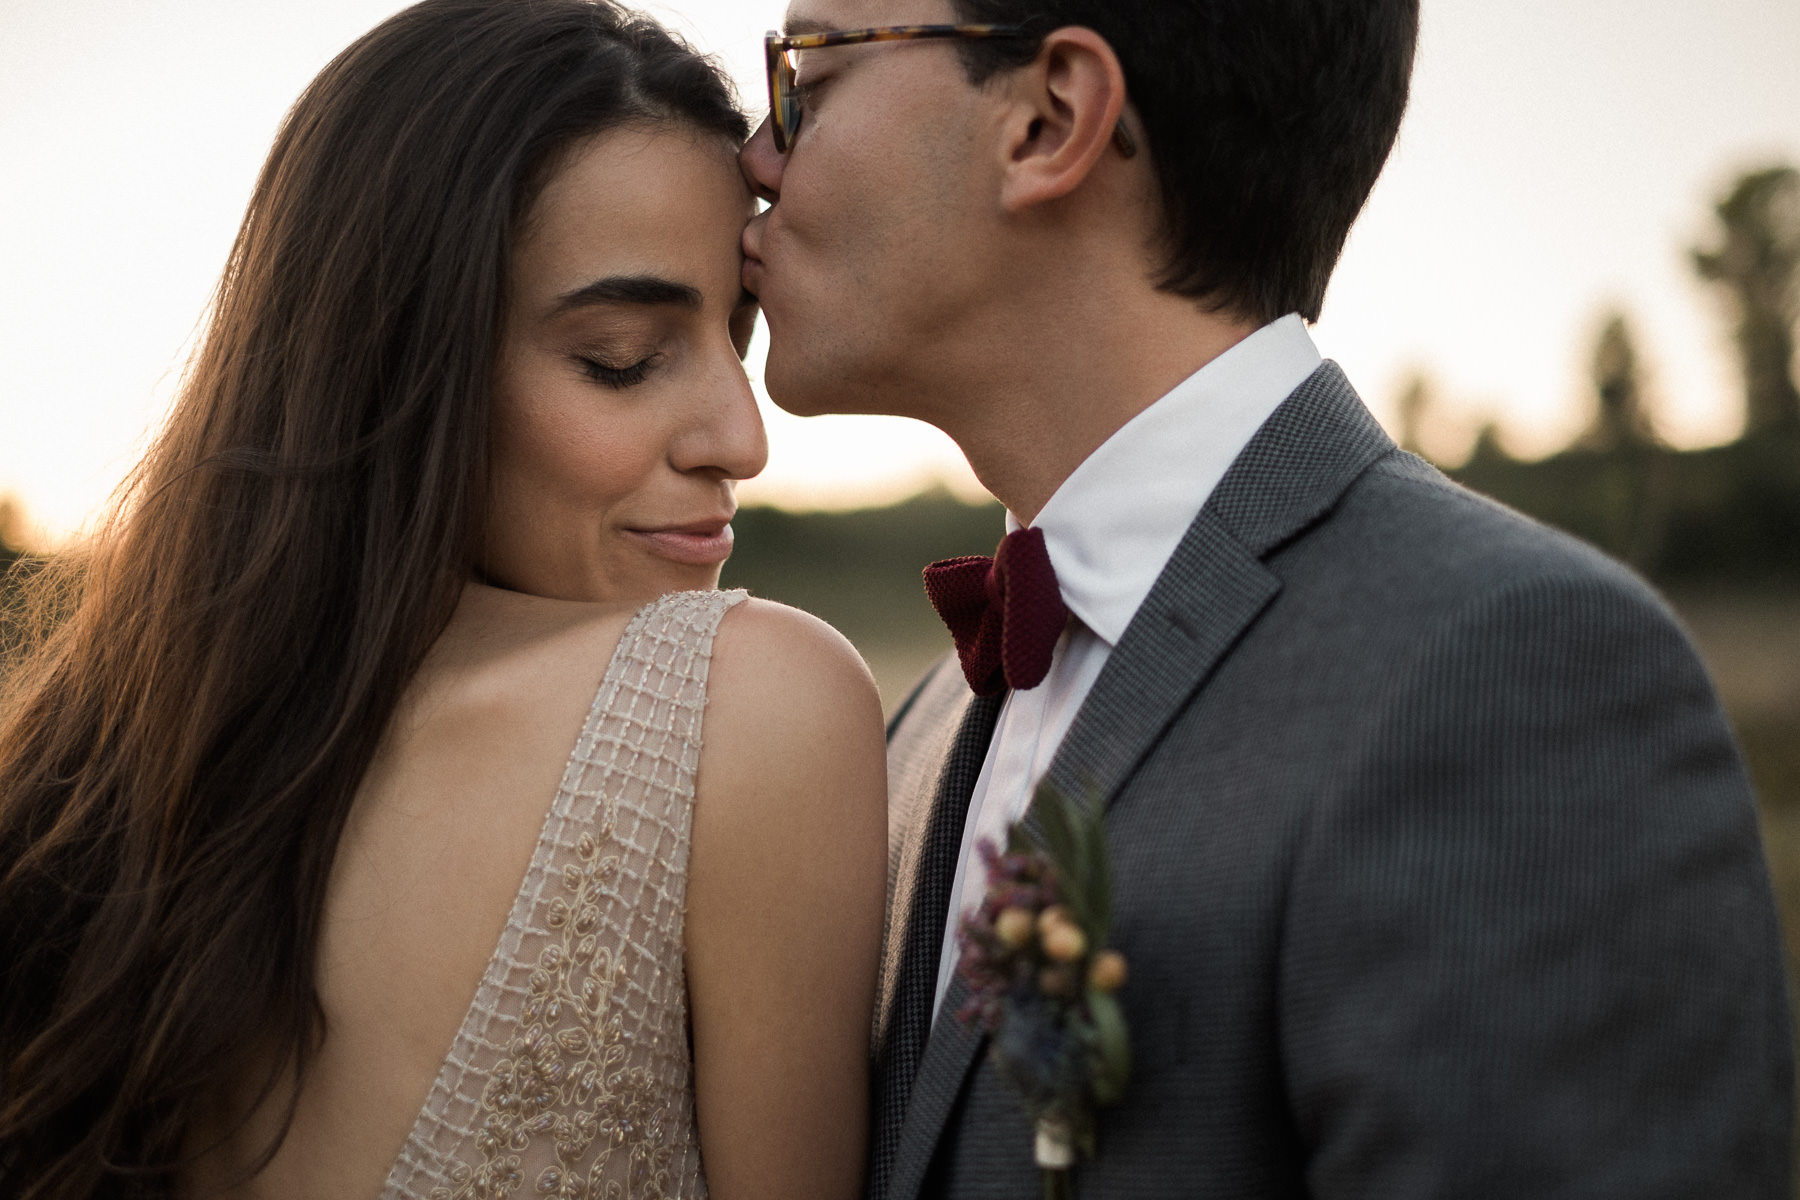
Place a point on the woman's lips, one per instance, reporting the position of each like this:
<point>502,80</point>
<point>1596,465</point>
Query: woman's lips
<point>693,545</point>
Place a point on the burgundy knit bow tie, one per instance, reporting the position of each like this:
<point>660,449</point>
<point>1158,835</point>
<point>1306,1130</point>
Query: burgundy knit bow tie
<point>1005,612</point>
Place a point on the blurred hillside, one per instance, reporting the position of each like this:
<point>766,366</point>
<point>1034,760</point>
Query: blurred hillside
<point>860,571</point>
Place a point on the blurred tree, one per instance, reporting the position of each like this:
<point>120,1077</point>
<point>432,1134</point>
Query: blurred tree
<point>1628,488</point>
<point>1620,418</point>
<point>1757,263</point>
<point>1417,399</point>
<point>1489,449</point>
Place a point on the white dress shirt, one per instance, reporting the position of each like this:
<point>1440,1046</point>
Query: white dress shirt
<point>1110,529</point>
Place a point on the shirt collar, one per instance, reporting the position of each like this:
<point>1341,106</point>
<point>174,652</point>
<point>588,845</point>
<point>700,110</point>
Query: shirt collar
<point>1115,521</point>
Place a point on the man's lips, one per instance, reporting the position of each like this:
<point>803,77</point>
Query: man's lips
<point>753,263</point>
<point>705,544</point>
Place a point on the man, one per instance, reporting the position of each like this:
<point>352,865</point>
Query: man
<point>1434,863</point>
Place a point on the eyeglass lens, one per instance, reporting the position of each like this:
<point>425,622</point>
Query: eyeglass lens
<point>787,101</point>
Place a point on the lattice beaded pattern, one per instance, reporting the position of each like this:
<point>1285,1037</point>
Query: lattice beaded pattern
<point>571,1076</point>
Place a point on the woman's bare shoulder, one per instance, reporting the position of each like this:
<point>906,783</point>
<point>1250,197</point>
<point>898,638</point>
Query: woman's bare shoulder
<point>789,674</point>
<point>785,898</point>
<point>784,684</point>
<point>781,624</point>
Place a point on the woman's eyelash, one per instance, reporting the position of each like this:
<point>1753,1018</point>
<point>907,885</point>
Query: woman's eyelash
<point>618,377</point>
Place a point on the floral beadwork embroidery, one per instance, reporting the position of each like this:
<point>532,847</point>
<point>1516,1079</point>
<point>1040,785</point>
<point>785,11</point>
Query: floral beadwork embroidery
<point>571,1075</point>
<point>565,1078</point>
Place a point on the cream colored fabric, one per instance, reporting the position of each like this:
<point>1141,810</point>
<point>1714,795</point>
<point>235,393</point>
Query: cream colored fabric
<point>571,1076</point>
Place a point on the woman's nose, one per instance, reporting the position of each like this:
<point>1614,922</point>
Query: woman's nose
<point>727,436</point>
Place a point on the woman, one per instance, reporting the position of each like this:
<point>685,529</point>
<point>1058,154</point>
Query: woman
<point>470,402</point>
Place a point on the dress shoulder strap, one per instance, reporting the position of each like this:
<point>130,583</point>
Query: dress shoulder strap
<point>655,690</point>
<point>573,1062</point>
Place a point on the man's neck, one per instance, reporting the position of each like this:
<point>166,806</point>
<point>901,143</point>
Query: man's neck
<point>1040,400</point>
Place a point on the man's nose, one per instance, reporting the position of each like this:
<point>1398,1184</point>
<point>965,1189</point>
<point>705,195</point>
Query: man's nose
<point>762,164</point>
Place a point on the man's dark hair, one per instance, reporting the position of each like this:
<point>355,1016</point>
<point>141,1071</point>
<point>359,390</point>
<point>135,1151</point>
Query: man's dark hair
<point>1268,122</point>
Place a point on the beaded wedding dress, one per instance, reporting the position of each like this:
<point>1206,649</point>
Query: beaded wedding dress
<point>571,1076</point>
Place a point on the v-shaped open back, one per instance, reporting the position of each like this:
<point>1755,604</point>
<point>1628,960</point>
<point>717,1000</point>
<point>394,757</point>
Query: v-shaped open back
<point>571,1075</point>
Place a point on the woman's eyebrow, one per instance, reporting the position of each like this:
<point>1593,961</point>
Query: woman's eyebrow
<point>630,289</point>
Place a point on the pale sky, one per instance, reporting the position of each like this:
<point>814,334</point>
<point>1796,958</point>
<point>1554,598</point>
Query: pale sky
<point>1558,157</point>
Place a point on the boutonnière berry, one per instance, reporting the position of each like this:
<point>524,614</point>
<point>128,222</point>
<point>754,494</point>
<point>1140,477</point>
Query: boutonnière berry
<point>1042,981</point>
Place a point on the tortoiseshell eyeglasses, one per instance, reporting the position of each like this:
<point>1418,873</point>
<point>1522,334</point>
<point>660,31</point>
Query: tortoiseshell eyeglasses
<point>785,104</point>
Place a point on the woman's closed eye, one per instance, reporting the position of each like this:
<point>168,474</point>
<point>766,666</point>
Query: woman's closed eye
<point>617,372</point>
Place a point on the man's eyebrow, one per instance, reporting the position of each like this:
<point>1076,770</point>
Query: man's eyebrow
<point>631,289</point>
<point>795,26</point>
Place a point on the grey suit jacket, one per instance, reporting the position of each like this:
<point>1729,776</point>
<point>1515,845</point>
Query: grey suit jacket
<point>1435,864</point>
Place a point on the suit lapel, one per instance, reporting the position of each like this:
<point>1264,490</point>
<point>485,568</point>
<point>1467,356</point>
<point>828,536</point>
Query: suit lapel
<point>1215,584</point>
<point>1155,667</point>
<point>934,762</point>
<point>949,1054</point>
<point>1211,592</point>
<point>1185,626</point>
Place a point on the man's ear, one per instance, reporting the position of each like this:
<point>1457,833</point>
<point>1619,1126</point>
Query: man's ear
<point>1067,104</point>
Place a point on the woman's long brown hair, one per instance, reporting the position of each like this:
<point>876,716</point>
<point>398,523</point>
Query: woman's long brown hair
<point>179,753</point>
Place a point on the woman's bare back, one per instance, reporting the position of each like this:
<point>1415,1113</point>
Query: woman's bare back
<point>422,928</point>
<point>443,829</point>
